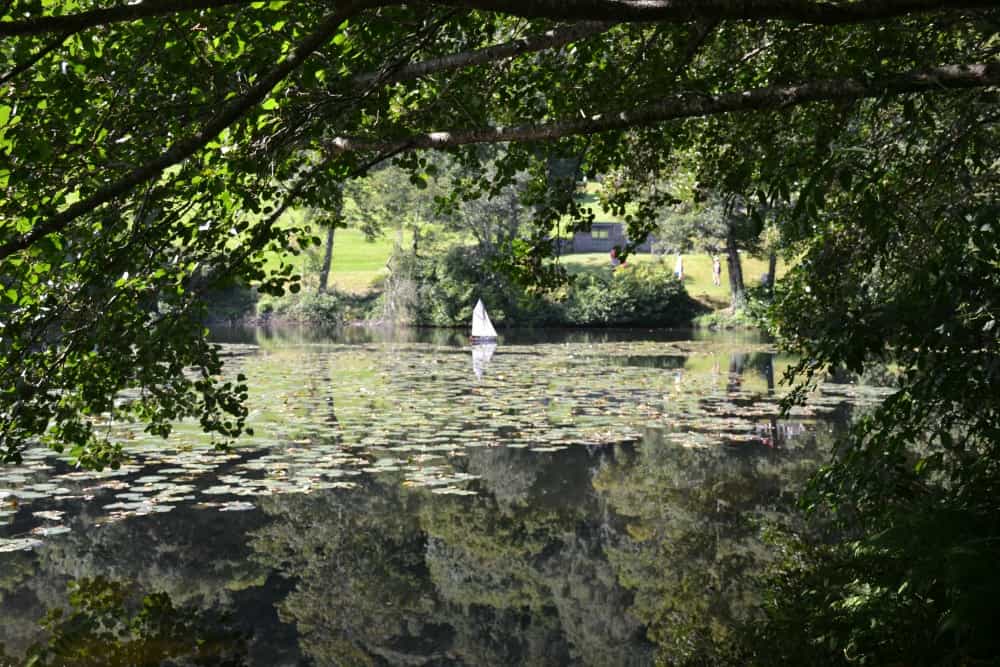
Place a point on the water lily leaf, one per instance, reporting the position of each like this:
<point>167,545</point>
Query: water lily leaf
<point>18,544</point>
<point>453,491</point>
<point>236,506</point>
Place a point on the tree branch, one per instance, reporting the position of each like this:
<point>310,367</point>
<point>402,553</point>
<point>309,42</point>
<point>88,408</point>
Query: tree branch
<point>690,105</point>
<point>699,33</point>
<point>185,148</point>
<point>681,11</point>
<point>17,70</point>
<point>547,40</point>
<point>38,25</point>
<point>675,11</point>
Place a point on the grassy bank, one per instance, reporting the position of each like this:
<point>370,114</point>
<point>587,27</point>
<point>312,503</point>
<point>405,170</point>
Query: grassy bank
<point>697,273</point>
<point>359,264</point>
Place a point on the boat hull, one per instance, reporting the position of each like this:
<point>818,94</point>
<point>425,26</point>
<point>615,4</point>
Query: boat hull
<point>482,339</point>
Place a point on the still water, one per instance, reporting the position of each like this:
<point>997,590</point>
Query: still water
<point>568,498</point>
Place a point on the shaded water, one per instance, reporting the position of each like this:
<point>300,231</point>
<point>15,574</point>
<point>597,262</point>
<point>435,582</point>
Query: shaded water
<point>593,498</point>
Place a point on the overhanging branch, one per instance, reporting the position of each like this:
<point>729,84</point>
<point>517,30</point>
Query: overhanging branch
<point>40,25</point>
<point>672,11</point>
<point>548,40</point>
<point>185,148</point>
<point>20,69</point>
<point>679,11</point>
<point>690,105</point>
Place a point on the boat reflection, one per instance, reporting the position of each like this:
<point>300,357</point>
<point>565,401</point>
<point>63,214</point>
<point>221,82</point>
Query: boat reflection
<point>481,355</point>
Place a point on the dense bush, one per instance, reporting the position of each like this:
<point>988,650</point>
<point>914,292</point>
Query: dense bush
<point>447,288</point>
<point>327,308</point>
<point>227,301</point>
<point>640,294</point>
<point>752,316</point>
<point>448,285</point>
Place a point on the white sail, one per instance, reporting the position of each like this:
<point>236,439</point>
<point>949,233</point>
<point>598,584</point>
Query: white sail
<point>481,325</point>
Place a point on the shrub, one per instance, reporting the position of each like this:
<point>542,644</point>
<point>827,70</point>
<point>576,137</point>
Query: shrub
<point>327,308</point>
<point>229,302</point>
<point>641,294</point>
<point>448,286</point>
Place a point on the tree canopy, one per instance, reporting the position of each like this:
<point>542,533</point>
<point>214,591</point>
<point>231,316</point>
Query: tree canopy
<point>149,149</point>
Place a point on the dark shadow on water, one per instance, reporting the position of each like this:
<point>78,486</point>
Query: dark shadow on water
<point>585,555</point>
<point>665,361</point>
<point>307,334</point>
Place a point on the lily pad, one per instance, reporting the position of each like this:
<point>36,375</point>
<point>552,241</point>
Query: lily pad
<point>18,544</point>
<point>236,506</point>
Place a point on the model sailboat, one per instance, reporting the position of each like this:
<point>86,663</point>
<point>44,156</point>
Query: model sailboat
<point>482,328</point>
<point>484,339</point>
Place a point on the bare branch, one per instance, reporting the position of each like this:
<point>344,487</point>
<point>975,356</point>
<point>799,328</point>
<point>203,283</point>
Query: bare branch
<point>20,69</point>
<point>699,33</point>
<point>185,148</point>
<point>690,105</point>
<point>39,25</point>
<point>681,11</point>
<point>547,40</point>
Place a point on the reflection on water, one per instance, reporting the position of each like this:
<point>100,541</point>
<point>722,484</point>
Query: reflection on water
<point>590,500</point>
<point>291,334</point>
<point>481,355</point>
<point>109,623</point>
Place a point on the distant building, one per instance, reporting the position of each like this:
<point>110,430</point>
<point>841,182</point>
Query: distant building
<point>602,237</point>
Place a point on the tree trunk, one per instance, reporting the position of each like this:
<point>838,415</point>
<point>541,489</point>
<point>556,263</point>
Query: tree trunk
<point>332,224</point>
<point>772,266</point>
<point>769,374</point>
<point>736,287</point>
<point>737,362</point>
<point>324,273</point>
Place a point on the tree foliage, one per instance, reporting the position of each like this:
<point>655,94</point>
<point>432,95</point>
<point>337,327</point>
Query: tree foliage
<point>109,624</point>
<point>900,270</point>
<point>148,151</point>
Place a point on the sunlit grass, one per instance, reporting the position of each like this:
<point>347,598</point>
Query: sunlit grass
<point>359,263</point>
<point>697,272</point>
<point>587,196</point>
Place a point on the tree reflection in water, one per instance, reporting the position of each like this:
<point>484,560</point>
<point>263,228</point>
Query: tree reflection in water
<point>111,624</point>
<point>588,556</point>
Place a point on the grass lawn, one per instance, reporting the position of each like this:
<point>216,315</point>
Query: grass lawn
<point>588,197</point>
<point>357,262</point>
<point>697,272</point>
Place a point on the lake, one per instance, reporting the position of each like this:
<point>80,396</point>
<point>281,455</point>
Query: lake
<point>567,498</point>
